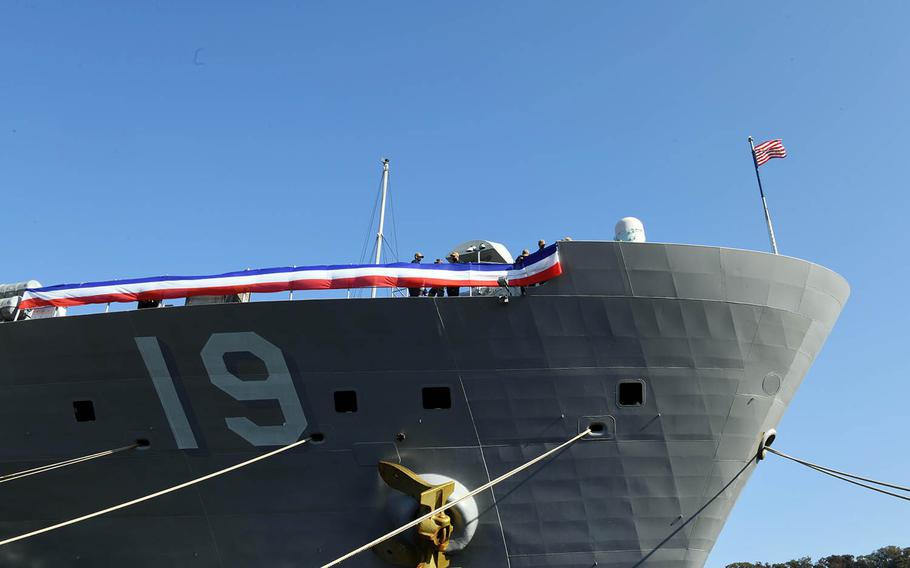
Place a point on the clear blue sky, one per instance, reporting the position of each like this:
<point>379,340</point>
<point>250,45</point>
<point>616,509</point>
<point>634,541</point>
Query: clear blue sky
<point>141,138</point>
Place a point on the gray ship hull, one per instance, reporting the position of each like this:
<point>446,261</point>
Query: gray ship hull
<point>721,340</point>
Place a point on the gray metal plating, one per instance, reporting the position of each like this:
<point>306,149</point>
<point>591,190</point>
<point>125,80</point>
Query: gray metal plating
<point>720,338</point>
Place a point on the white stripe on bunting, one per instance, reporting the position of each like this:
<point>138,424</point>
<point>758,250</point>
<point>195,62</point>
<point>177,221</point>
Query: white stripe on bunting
<point>540,266</point>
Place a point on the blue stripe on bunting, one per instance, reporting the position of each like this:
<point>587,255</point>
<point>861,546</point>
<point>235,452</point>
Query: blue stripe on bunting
<point>461,267</point>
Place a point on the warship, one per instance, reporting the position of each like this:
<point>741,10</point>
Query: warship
<point>668,364</point>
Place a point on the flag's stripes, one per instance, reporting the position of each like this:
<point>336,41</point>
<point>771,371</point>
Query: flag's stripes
<point>542,265</point>
<point>767,150</point>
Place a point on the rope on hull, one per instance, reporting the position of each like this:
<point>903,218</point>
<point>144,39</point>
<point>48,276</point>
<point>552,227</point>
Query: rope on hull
<point>155,494</point>
<point>451,504</point>
<point>41,469</point>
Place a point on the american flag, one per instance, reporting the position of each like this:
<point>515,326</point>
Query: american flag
<point>767,150</point>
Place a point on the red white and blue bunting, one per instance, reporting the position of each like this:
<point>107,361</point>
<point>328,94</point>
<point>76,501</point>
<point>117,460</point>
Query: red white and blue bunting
<point>539,267</point>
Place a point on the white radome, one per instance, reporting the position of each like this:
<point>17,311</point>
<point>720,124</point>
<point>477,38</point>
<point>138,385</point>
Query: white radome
<point>630,230</point>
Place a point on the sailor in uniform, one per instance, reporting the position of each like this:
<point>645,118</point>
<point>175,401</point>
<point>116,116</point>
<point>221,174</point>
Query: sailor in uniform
<point>416,292</point>
<point>453,290</point>
<point>436,292</point>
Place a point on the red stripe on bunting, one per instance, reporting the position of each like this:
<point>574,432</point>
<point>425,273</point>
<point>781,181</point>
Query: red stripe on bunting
<point>547,274</point>
<point>368,281</point>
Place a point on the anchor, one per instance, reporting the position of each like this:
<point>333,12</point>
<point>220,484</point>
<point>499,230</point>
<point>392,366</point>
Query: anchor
<point>433,534</point>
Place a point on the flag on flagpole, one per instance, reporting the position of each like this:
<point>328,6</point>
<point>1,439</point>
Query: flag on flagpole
<point>767,150</point>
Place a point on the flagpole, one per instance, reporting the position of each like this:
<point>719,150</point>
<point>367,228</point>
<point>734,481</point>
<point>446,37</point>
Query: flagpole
<point>764,203</point>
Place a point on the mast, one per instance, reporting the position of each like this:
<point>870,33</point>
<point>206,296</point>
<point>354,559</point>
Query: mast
<point>379,235</point>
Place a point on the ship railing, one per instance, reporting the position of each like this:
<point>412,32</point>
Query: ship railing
<point>9,311</point>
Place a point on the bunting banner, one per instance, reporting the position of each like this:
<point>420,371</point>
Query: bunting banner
<point>539,267</point>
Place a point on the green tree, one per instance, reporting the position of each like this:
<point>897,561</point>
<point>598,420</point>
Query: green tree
<point>837,561</point>
<point>885,557</point>
<point>804,562</point>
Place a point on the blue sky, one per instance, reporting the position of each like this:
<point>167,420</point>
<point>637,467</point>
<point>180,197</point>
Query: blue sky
<point>164,137</point>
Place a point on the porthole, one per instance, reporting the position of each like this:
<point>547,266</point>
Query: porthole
<point>437,398</point>
<point>345,401</point>
<point>771,384</point>
<point>84,410</point>
<point>630,393</point>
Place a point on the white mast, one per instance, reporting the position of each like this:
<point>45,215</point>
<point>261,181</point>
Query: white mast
<point>379,235</point>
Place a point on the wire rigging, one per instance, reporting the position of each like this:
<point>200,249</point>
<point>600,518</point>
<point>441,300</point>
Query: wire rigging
<point>393,246</point>
<point>454,502</point>
<point>844,476</point>
<point>366,238</point>
<point>394,253</point>
<point>41,469</point>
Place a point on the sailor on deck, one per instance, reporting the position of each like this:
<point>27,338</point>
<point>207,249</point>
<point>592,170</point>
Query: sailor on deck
<point>436,292</point>
<point>522,257</point>
<point>416,292</point>
<point>453,290</point>
<point>520,261</point>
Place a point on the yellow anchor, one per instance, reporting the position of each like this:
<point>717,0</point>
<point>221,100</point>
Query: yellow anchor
<point>433,533</point>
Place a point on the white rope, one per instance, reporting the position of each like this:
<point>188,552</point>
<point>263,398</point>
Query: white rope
<point>41,469</point>
<point>156,494</point>
<point>35,471</point>
<point>832,470</point>
<point>844,476</point>
<point>451,504</point>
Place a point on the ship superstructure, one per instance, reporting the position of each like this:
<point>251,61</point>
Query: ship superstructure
<point>683,356</point>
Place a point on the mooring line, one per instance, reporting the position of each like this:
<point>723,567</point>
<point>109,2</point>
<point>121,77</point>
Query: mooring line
<point>696,513</point>
<point>41,469</point>
<point>155,494</point>
<point>451,504</point>
<point>843,476</point>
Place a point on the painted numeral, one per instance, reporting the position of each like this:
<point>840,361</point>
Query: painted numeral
<point>278,386</point>
<point>167,394</point>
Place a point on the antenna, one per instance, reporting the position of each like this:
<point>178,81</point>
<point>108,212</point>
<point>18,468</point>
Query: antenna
<point>379,235</point>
